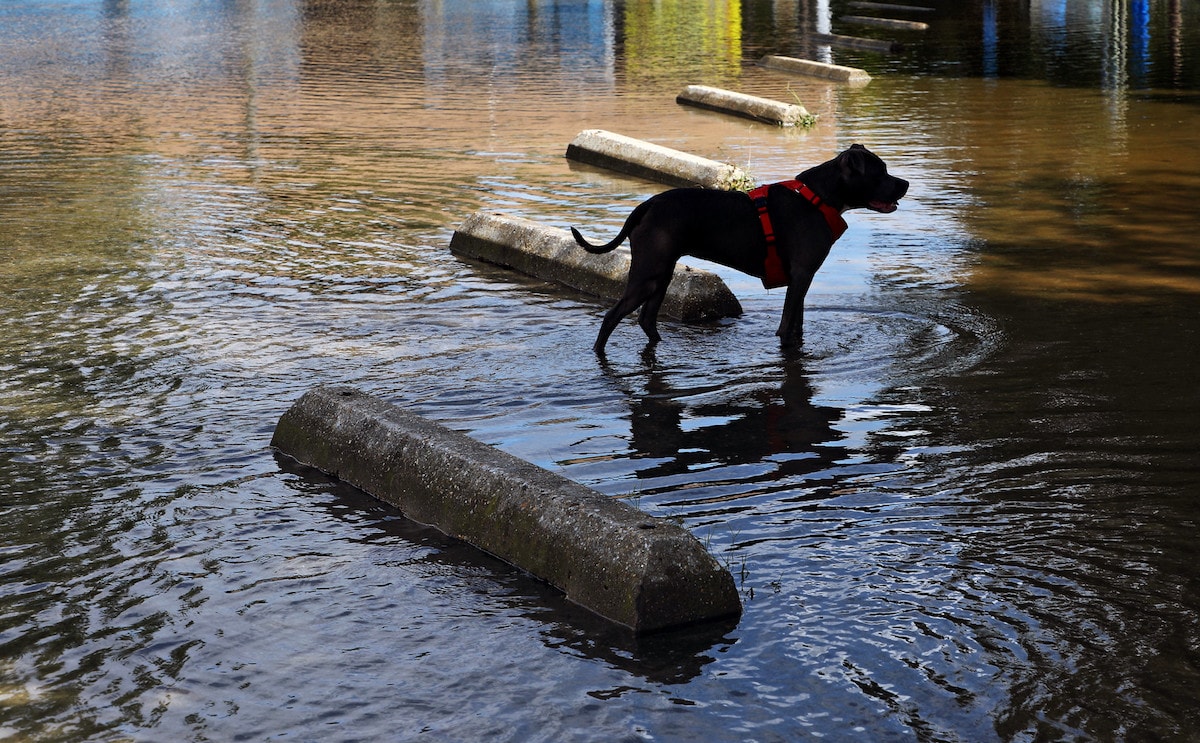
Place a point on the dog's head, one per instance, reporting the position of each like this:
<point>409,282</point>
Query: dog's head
<point>856,179</point>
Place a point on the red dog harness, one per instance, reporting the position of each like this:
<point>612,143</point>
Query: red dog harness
<point>774,273</point>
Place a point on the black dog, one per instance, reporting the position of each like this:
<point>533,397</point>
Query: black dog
<point>780,233</point>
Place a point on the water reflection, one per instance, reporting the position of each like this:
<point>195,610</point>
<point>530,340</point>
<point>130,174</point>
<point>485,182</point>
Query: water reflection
<point>1102,205</point>
<point>673,657</point>
<point>682,430</point>
<point>1106,45</point>
<point>703,37</point>
<point>965,513</point>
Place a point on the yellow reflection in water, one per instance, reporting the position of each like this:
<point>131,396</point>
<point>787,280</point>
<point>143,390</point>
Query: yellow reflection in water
<point>1116,239</point>
<point>1081,194</point>
<point>708,32</point>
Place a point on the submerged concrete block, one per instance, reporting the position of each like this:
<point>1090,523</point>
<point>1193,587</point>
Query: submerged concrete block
<point>889,23</point>
<point>748,106</point>
<point>857,42</point>
<point>654,162</point>
<point>838,73</point>
<point>643,572</point>
<point>892,7</point>
<point>550,253</point>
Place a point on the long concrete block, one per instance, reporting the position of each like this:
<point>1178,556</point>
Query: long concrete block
<point>857,42</point>
<point>867,5</point>
<point>888,23</point>
<point>655,162</point>
<point>643,572</point>
<point>694,295</point>
<point>838,73</point>
<point>747,106</point>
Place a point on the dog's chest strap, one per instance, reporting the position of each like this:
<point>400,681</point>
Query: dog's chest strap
<point>774,273</point>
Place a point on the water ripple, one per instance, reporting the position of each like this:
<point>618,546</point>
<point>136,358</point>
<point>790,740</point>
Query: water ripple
<point>959,513</point>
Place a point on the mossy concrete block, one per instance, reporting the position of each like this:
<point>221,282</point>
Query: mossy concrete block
<point>643,572</point>
<point>694,295</point>
<point>809,68</point>
<point>747,106</point>
<point>654,162</point>
<point>892,24</point>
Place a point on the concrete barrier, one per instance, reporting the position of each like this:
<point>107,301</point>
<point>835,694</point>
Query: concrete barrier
<point>884,46</point>
<point>888,23</point>
<point>748,106</point>
<point>890,7</point>
<point>837,73</point>
<point>655,162</point>
<point>643,572</point>
<point>694,295</point>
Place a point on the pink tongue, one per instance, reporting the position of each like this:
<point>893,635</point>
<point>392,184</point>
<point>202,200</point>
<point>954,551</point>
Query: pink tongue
<point>882,206</point>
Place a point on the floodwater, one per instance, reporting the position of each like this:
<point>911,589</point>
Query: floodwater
<point>967,511</point>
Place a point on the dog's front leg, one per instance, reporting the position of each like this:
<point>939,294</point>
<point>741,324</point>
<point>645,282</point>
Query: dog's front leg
<point>791,326</point>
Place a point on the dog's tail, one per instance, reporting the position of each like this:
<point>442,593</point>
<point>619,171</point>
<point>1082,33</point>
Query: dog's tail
<point>630,223</point>
<point>598,248</point>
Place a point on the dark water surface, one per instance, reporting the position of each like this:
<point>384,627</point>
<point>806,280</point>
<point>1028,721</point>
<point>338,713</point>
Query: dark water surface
<point>967,512</point>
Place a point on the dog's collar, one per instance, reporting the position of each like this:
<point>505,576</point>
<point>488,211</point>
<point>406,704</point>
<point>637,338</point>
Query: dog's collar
<point>833,216</point>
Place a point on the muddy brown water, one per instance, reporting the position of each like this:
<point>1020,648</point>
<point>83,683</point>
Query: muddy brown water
<point>967,511</point>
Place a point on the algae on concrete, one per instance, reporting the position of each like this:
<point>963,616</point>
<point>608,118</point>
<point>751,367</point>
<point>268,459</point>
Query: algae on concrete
<point>747,106</point>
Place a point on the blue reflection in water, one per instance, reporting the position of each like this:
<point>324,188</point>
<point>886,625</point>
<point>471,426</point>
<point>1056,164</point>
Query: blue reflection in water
<point>991,54</point>
<point>1139,48</point>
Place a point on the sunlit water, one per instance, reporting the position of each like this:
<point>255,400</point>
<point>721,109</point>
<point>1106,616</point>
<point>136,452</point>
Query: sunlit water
<point>966,512</point>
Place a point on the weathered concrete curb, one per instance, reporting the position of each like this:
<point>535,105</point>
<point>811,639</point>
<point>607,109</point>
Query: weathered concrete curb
<point>857,42</point>
<point>549,253</point>
<point>866,5</point>
<point>654,162</point>
<point>748,106</point>
<point>643,572</point>
<point>889,23</point>
<point>838,73</point>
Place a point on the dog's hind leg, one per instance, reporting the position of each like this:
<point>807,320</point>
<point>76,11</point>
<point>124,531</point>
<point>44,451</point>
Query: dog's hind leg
<point>648,317</point>
<point>612,318</point>
<point>651,265</point>
<point>641,293</point>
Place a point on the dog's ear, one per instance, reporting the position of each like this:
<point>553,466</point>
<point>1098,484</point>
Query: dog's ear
<point>852,160</point>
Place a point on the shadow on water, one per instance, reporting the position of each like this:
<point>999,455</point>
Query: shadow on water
<point>681,428</point>
<point>670,657</point>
